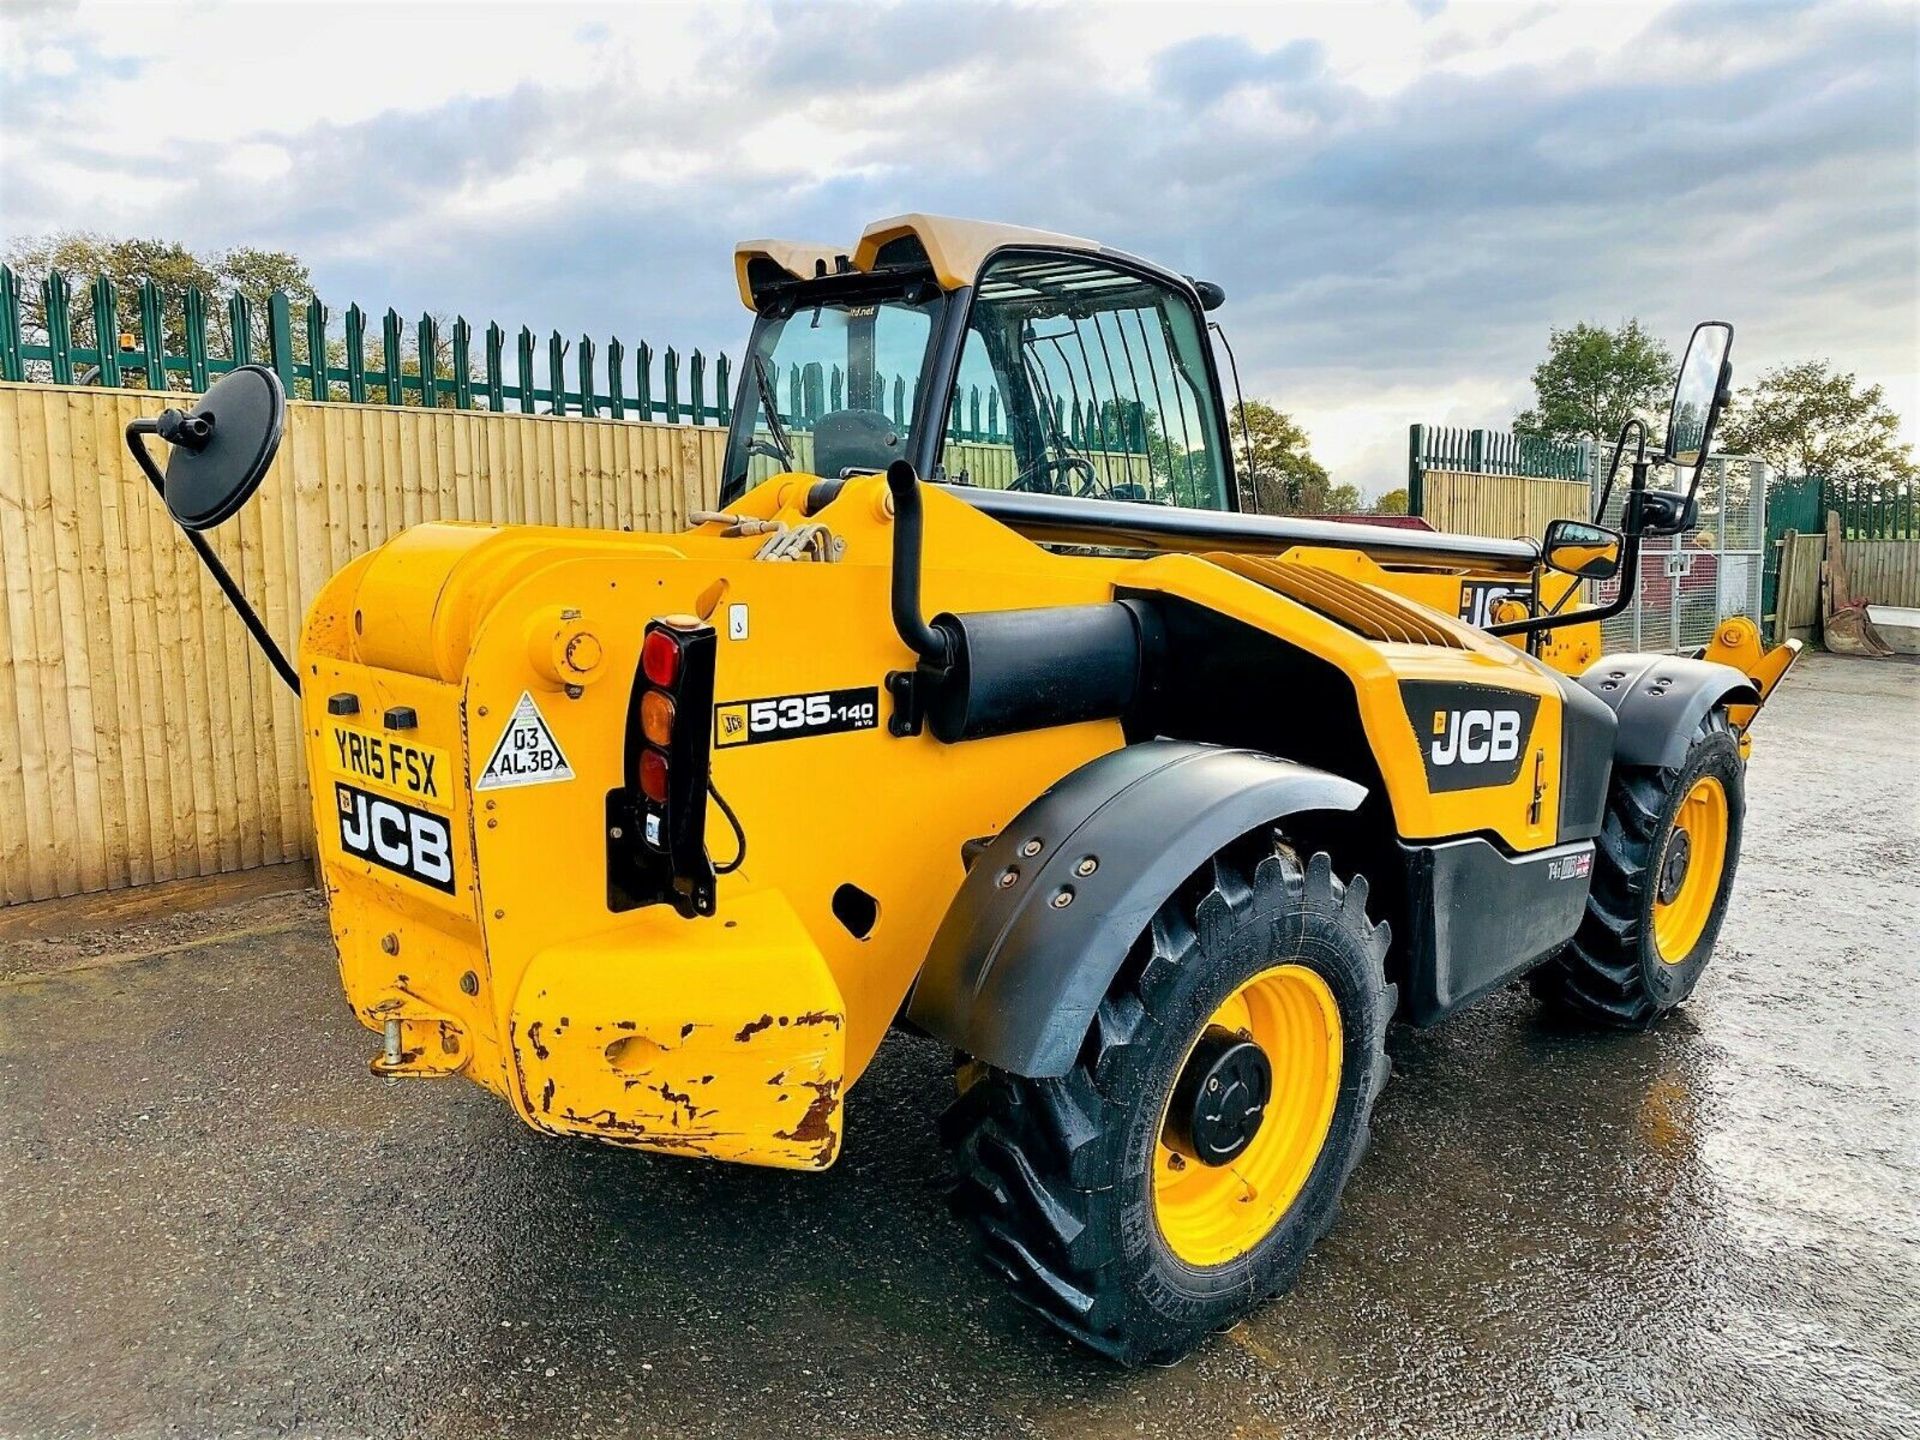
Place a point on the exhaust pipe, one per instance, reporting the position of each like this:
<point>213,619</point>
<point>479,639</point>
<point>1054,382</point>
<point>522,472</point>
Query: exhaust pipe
<point>996,672</point>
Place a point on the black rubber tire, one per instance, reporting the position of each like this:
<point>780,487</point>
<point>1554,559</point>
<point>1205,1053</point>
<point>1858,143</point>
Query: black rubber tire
<point>1612,973</point>
<point>1056,1175</point>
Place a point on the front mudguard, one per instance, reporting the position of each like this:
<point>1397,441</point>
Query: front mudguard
<point>1052,905</point>
<point>1660,700</point>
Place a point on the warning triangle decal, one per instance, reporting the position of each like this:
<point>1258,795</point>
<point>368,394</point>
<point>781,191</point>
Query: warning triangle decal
<point>527,753</point>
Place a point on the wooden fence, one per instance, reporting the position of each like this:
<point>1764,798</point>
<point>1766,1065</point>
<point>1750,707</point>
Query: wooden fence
<point>1797,604</point>
<point>142,737</point>
<point>1884,572</point>
<point>1881,572</point>
<point>1500,505</point>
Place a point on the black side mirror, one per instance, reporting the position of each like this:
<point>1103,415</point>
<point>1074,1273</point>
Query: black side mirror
<point>217,455</point>
<point>220,450</point>
<point>1575,547</point>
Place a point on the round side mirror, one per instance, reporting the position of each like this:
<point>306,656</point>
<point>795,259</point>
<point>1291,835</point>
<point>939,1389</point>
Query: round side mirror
<point>220,450</point>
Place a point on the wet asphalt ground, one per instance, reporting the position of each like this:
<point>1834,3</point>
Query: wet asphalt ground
<point>214,1221</point>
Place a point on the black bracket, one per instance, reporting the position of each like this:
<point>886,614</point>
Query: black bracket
<point>909,711</point>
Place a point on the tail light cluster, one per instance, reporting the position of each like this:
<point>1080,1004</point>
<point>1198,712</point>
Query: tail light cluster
<point>657,821</point>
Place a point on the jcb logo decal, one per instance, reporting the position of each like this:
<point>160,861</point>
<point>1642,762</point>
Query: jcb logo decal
<point>1472,737</point>
<point>409,842</point>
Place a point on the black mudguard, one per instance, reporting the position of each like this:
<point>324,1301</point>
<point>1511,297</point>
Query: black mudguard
<point>1019,965</point>
<point>1660,701</point>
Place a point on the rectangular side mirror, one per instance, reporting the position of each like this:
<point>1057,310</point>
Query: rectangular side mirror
<point>1576,547</point>
<point>1699,393</point>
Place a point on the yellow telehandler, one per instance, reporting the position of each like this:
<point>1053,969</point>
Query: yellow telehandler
<point>1016,732</point>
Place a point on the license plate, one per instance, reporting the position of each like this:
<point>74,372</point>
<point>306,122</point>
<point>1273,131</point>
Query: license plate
<point>401,838</point>
<point>396,767</point>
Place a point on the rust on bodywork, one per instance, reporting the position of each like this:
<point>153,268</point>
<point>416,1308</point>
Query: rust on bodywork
<point>817,1127</point>
<point>726,1081</point>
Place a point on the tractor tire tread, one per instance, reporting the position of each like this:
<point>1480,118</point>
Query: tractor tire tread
<point>1036,1174</point>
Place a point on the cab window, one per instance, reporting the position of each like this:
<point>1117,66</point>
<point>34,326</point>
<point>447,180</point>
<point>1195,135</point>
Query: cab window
<point>829,387</point>
<point>1083,379</point>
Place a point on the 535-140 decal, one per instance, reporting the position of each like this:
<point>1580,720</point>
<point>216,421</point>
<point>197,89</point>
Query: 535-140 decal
<point>790,717</point>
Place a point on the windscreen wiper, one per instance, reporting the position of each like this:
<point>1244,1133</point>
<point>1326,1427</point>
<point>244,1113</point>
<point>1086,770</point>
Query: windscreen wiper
<point>769,403</point>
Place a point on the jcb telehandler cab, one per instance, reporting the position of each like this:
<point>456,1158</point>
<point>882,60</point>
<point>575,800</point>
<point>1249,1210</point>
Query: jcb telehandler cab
<point>978,707</point>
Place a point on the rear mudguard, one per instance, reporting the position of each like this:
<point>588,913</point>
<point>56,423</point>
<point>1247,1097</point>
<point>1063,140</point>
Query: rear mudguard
<point>1053,903</point>
<point>1660,701</point>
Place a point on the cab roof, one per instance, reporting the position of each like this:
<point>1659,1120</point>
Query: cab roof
<point>953,249</point>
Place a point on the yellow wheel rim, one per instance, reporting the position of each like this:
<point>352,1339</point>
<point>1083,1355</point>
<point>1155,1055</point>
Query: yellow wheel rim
<point>1210,1214</point>
<point>1687,874</point>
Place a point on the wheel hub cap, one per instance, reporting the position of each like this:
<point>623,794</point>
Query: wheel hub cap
<point>1221,1098</point>
<point>1230,1161</point>
<point>1673,873</point>
<point>1691,866</point>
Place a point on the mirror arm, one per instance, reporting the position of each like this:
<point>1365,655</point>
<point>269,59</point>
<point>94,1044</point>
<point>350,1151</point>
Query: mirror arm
<point>266,642</point>
<point>1631,525</point>
<point>1629,572</point>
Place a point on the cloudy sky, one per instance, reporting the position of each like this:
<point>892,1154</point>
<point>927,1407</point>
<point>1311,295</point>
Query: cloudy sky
<point>1400,198</point>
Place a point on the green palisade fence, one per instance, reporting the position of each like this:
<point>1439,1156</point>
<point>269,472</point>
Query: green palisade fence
<point>316,361</point>
<point>1873,509</point>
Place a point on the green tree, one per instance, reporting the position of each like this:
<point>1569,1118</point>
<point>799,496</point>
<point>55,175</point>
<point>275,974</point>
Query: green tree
<point>1278,474</point>
<point>1341,500</point>
<point>1394,502</point>
<point>82,257</point>
<point>1595,379</point>
<point>1808,419</point>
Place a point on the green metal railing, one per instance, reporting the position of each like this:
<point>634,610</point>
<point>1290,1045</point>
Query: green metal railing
<point>1873,509</point>
<point>1487,452</point>
<point>315,363</point>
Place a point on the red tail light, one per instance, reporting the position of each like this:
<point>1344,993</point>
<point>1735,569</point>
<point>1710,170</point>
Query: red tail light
<point>660,658</point>
<point>653,776</point>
